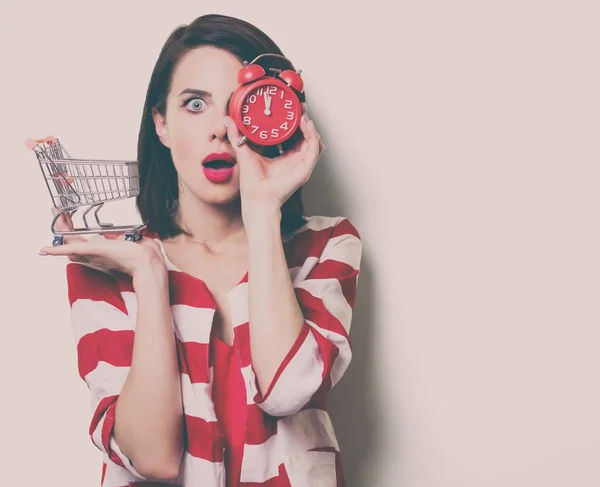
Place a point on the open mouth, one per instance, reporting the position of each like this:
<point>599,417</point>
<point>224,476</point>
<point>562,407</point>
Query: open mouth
<point>218,164</point>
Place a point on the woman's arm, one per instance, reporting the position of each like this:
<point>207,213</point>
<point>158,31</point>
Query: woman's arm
<point>149,416</point>
<point>275,317</point>
<point>126,353</point>
<point>299,331</point>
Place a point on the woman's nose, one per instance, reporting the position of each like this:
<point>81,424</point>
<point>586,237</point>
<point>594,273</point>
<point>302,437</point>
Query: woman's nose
<point>218,129</point>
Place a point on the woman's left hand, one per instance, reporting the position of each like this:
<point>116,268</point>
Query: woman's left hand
<point>267,183</point>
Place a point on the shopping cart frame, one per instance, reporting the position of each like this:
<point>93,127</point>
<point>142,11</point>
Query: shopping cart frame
<point>74,184</point>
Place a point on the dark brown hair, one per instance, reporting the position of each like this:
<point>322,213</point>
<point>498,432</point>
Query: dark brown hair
<point>158,199</point>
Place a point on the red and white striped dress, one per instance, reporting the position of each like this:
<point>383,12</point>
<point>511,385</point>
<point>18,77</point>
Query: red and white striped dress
<point>288,437</point>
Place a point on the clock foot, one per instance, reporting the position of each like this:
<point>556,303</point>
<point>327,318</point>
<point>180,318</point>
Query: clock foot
<point>280,148</point>
<point>242,141</point>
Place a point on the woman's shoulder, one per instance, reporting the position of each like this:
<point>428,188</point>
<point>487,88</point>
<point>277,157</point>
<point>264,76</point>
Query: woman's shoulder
<point>320,236</point>
<point>331,226</point>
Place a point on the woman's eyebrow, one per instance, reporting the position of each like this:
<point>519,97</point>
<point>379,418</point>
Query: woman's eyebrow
<point>194,91</point>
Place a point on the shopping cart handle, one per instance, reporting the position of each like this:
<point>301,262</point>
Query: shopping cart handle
<point>32,143</point>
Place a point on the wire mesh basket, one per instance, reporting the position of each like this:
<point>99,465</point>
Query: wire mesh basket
<point>87,184</point>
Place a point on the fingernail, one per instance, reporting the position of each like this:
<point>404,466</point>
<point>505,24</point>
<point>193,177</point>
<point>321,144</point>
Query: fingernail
<point>306,117</point>
<point>225,122</point>
<point>43,253</point>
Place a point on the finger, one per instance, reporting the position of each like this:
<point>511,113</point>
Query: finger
<point>311,150</point>
<point>114,235</point>
<point>234,136</point>
<point>79,248</point>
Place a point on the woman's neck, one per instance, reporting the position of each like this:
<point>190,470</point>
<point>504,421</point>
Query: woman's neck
<point>210,224</point>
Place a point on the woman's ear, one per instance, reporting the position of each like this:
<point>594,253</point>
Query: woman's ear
<point>160,125</point>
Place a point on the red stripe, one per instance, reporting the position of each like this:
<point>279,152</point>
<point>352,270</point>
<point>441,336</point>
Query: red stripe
<point>86,283</point>
<point>309,243</point>
<point>242,336</point>
<point>193,361</point>
<point>124,282</point>
<point>104,404</point>
<point>259,425</point>
<point>345,227</point>
<point>108,427</point>
<point>314,310</point>
<point>187,290</point>
<point>113,347</point>
<point>203,439</point>
<point>258,398</point>
<point>341,271</point>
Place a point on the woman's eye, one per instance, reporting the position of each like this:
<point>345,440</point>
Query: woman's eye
<point>195,104</point>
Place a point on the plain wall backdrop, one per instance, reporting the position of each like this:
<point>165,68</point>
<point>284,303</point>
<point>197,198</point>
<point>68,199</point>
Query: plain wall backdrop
<point>462,141</point>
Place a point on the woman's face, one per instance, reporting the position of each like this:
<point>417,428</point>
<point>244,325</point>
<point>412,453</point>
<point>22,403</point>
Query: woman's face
<point>201,86</point>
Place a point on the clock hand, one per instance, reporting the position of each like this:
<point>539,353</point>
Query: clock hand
<point>267,104</point>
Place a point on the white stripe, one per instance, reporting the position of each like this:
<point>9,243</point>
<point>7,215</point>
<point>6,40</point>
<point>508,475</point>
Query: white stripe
<point>261,462</point>
<point>97,434</point>
<point>169,265</point>
<point>250,380</point>
<point>105,380</point>
<point>200,472</point>
<point>130,300</point>
<point>197,399</point>
<point>192,324</point>
<point>238,304</point>
<point>311,428</point>
<point>345,248</point>
<point>297,383</point>
<point>329,291</point>
<point>299,274</point>
<point>88,316</point>
<point>312,468</point>
<point>317,223</point>
<point>344,357</point>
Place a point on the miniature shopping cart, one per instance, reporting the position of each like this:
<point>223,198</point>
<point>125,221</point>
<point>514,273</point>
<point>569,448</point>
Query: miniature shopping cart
<point>84,183</point>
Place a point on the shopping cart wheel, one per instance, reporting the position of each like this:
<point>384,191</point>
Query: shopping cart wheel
<point>133,236</point>
<point>58,240</point>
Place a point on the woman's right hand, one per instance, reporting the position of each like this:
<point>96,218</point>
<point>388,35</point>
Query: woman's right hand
<point>109,251</point>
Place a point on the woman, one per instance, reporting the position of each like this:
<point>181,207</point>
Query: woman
<point>239,304</point>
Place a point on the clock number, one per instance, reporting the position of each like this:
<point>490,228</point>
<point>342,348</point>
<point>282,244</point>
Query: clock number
<point>272,90</point>
<point>259,92</point>
<point>284,126</point>
<point>274,133</point>
<point>263,134</point>
<point>255,127</point>
<point>282,93</point>
<point>252,99</point>
<point>290,115</point>
<point>288,104</point>
<point>247,120</point>
<point>245,109</point>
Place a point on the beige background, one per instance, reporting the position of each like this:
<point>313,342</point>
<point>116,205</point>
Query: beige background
<point>462,141</point>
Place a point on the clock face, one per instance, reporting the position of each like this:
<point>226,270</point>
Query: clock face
<point>270,113</point>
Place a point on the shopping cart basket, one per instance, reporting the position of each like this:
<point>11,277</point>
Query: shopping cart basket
<point>85,183</point>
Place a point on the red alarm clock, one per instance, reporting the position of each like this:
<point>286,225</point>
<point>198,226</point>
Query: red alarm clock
<point>267,109</point>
